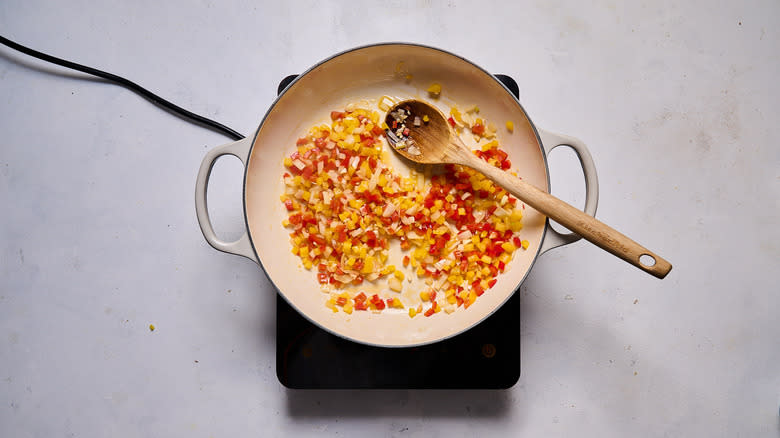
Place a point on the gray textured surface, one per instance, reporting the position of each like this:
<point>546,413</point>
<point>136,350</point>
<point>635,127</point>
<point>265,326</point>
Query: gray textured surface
<point>676,101</point>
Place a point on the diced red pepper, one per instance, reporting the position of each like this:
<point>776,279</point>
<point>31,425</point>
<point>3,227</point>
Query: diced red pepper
<point>288,204</point>
<point>478,129</point>
<point>377,302</point>
<point>452,121</point>
<point>370,239</point>
<point>336,115</point>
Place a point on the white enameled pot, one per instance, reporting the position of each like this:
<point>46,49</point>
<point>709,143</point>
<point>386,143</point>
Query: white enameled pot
<point>365,74</point>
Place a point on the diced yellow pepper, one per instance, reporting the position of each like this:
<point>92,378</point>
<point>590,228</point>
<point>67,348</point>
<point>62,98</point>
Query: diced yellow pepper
<point>456,114</point>
<point>435,88</point>
<point>425,296</point>
<point>412,312</point>
<point>368,265</point>
<point>510,126</point>
<point>490,145</point>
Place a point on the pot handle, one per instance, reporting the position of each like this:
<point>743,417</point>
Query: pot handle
<point>242,246</point>
<point>550,141</point>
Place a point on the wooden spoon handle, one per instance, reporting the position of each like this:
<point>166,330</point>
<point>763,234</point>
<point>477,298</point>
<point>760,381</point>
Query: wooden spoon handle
<point>593,230</point>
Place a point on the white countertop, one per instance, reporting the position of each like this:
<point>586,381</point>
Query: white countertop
<point>676,100</point>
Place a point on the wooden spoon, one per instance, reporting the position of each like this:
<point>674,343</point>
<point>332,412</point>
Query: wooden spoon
<point>433,142</point>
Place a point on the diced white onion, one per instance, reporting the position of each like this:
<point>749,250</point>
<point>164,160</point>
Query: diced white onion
<point>390,208</point>
<point>500,212</point>
<point>354,161</point>
<point>466,235</point>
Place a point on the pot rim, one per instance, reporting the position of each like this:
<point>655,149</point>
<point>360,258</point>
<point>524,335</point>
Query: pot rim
<point>273,105</point>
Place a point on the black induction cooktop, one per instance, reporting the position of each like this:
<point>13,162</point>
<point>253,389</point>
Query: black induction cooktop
<point>485,357</point>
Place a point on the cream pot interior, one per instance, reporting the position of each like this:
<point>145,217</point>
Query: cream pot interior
<point>362,76</point>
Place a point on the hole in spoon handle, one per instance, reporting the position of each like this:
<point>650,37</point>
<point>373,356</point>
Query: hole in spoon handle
<point>647,260</point>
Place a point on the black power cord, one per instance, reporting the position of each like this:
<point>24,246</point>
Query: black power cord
<point>132,86</point>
